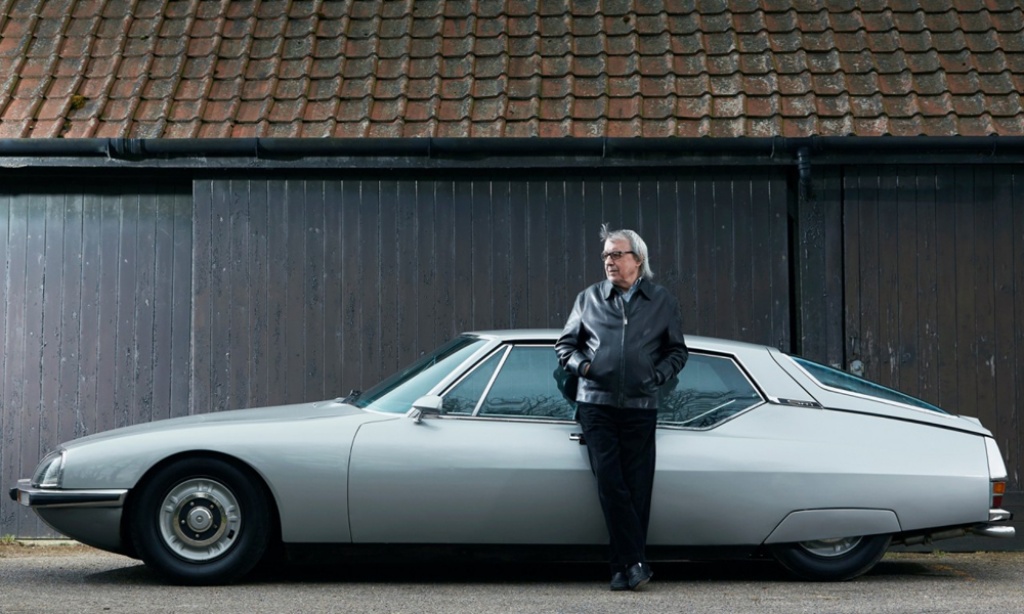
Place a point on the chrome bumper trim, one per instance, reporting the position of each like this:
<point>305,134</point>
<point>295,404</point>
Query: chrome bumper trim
<point>28,496</point>
<point>999,515</point>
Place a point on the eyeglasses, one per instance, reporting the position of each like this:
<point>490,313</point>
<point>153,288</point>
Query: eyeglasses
<point>615,256</point>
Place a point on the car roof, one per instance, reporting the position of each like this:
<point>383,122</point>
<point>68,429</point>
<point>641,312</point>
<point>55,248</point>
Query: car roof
<point>549,335</point>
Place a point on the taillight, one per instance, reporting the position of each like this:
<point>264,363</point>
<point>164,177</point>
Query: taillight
<point>998,490</point>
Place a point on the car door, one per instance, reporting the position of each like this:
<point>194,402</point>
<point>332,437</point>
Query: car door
<point>501,465</point>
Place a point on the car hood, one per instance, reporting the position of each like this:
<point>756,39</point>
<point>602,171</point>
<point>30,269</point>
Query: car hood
<point>237,417</point>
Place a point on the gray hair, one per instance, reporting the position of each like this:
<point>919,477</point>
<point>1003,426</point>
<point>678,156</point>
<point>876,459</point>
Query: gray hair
<point>636,245</point>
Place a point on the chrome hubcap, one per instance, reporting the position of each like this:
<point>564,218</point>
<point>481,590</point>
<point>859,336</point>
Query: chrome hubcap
<point>199,519</point>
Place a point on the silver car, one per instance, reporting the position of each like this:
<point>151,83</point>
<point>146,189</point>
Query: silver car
<point>473,450</point>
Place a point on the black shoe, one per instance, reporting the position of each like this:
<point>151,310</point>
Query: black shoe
<point>638,574</point>
<point>619,581</point>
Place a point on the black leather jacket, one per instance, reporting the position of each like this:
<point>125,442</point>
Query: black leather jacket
<point>632,348</point>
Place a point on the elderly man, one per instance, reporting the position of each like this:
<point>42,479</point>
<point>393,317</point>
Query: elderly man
<point>624,340</point>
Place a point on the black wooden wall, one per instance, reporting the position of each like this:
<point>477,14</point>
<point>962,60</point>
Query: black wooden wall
<point>95,313</point>
<point>319,286</point>
<point>158,298</point>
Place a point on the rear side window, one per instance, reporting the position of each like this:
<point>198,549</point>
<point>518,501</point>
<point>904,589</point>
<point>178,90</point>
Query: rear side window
<point>828,377</point>
<point>708,391</point>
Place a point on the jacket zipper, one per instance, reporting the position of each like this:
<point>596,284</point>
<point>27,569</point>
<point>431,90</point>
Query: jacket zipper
<point>622,354</point>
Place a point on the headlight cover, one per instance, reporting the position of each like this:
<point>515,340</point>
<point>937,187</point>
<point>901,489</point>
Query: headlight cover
<point>50,472</point>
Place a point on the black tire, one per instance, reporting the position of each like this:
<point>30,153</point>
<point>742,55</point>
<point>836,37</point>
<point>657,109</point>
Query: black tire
<point>201,521</point>
<point>832,559</point>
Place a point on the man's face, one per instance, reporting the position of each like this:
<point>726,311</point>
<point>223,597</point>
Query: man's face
<point>624,271</point>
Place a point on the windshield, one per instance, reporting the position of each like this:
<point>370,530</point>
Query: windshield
<point>397,393</point>
<point>834,378</point>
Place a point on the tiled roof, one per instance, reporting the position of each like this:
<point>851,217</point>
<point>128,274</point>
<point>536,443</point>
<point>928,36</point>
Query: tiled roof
<point>510,68</point>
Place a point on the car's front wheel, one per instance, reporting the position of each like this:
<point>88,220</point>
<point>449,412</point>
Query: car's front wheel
<point>841,558</point>
<point>201,521</point>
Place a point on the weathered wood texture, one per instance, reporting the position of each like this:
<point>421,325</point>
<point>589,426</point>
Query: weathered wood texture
<point>934,286</point>
<point>95,313</point>
<point>307,288</point>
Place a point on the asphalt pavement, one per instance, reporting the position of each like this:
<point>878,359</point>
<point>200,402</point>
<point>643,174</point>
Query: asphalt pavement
<point>77,579</point>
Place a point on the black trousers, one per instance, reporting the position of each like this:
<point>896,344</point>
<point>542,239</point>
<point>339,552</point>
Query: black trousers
<point>620,442</point>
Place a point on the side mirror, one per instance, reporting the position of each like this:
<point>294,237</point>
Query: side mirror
<point>428,405</point>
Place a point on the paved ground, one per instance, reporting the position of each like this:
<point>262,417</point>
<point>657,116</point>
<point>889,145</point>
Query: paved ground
<point>82,580</point>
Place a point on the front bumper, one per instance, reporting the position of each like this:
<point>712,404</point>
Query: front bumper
<point>29,496</point>
<point>92,517</point>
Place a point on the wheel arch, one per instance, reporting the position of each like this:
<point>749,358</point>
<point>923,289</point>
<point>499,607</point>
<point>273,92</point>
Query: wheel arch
<point>134,493</point>
<point>807,525</point>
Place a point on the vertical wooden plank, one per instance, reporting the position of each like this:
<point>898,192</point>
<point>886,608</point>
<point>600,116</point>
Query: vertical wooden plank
<point>1014,454</point>
<point>926,287</point>
<point>504,254</point>
<point>181,317</point>
<point>946,258</point>
<point>92,300</point>
<point>724,282</point>
<point>408,298</point>
<point>258,316</point>
<point>983,404</point>
<point>202,301</point>
<point>588,235</point>
<point>743,258</point>
<point>277,292</point>
<point>832,199</point>
<point>388,207</point>
<point>236,279</point>
<point>126,357</point>
<point>352,282</point>
<point>853,210</point>
<point>536,255</point>
<point>334,292</point>
<point>870,279</point>
<point>52,286</point>
<point>482,269</point>
<point>518,240</point>
<point>906,341</point>
<point>31,393</point>
<point>463,247</point>
<point>966,350</point>
<point>706,256</point>
<point>888,286</point>
<point>295,316</point>
<point>686,253</point>
<point>145,306</point>
<point>219,332</point>
<point>553,233</point>
<point>313,272</point>
<point>1005,393</point>
<point>779,196</point>
<point>7,472</point>
<point>573,238</point>
<point>15,521</point>
<point>370,301</point>
<point>162,210</point>
<point>69,412</point>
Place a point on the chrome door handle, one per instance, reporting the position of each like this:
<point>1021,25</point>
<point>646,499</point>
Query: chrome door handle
<point>578,437</point>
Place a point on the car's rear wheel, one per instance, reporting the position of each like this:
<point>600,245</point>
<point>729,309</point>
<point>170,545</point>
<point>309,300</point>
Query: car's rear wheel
<point>841,558</point>
<point>201,521</point>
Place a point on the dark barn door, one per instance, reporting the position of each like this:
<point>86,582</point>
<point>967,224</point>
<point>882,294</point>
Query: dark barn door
<point>306,288</point>
<point>95,300</point>
<point>934,261</point>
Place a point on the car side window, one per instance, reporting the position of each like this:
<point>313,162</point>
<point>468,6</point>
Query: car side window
<point>709,390</point>
<point>464,396</point>
<point>525,387</point>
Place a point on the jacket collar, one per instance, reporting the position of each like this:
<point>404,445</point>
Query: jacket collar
<point>608,291</point>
